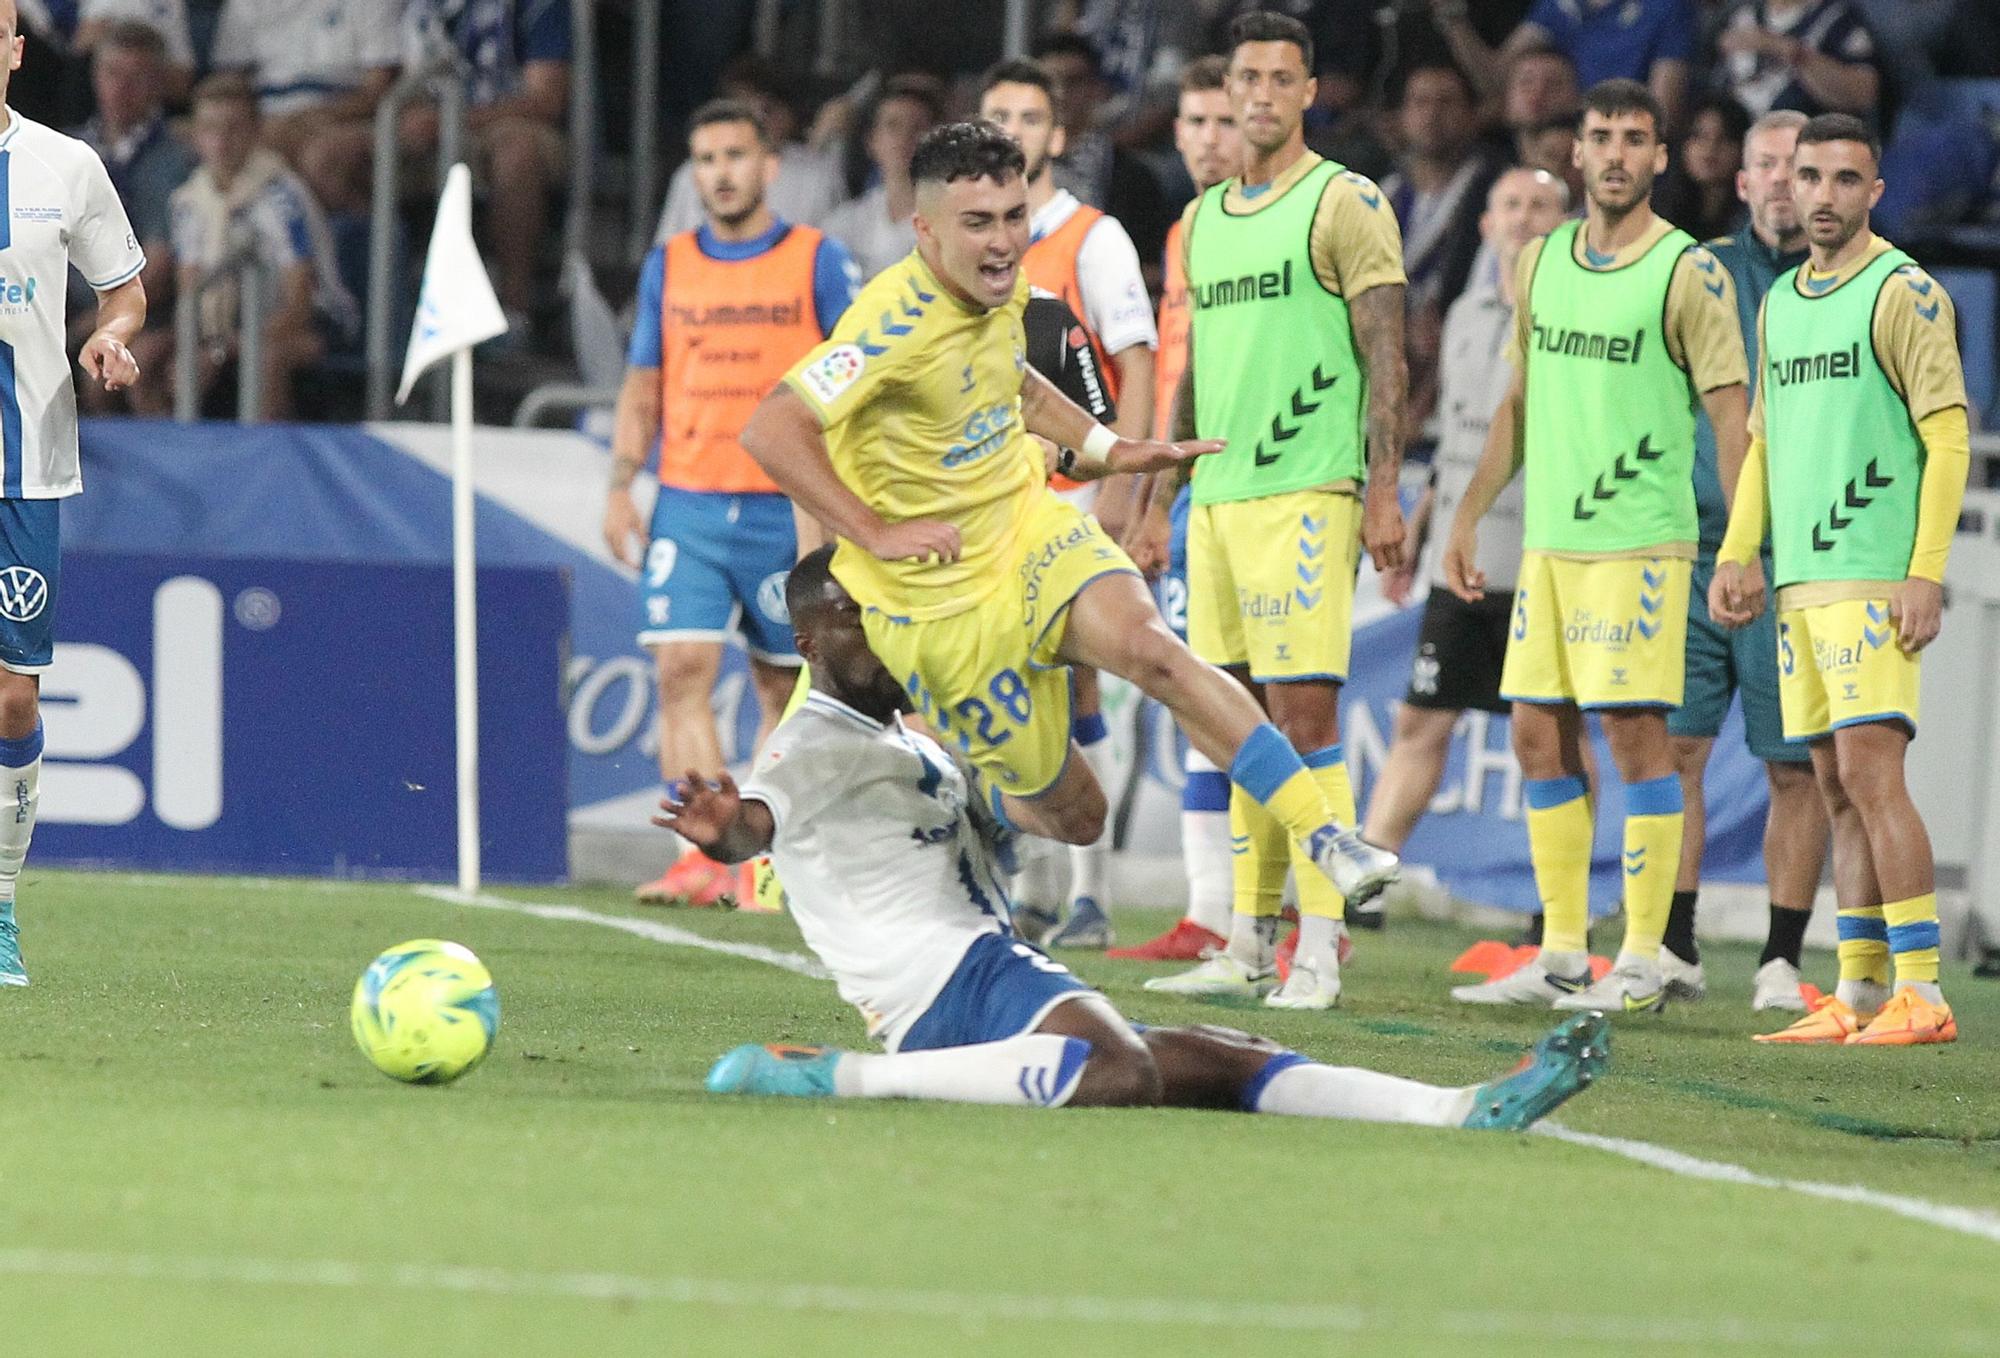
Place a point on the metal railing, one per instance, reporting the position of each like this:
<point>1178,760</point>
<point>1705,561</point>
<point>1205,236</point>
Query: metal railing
<point>644,205</point>
<point>582,124</point>
<point>440,77</point>
<point>253,278</point>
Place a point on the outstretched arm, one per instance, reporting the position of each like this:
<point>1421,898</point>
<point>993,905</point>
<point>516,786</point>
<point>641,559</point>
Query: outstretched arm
<point>715,818</point>
<point>1046,411</point>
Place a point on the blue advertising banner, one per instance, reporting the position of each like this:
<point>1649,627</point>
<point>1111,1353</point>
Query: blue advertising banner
<point>275,716</point>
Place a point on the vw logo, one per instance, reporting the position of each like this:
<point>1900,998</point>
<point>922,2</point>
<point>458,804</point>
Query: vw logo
<point>771,597</point>
<point>23,593</point>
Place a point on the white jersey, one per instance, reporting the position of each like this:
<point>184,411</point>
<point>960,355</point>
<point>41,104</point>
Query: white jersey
<point>1116,306</point>
<point>57,208</point>
<point>888,877</point>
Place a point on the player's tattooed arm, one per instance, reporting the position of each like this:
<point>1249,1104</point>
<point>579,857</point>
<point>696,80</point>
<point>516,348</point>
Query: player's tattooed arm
<point>716,818</point>
<point>633,428</point>
<point>1497,466</point>
<point>1377,317</point>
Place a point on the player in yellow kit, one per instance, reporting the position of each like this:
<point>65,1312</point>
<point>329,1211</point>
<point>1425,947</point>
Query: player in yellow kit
<point>906,434</point>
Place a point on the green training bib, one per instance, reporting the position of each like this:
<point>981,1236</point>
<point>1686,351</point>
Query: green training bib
<point>1845,459</point>
<point>1275,371</point>
<point>1610,417</point>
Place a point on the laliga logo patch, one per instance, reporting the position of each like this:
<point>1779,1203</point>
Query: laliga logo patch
<point>834,372</point>
<point>23,593</point>
<point>771,597</point>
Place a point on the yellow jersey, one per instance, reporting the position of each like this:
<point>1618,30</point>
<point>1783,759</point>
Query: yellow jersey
<point>920,399</point>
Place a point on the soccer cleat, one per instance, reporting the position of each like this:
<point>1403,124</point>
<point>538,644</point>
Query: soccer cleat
<point>1307,987</point>
<point>1630,990</point>
<point>1776,986</point>
<point>11,970</point>
<point>1358,870</point>
<point>1685,980</point>
<point>1087,927</point>
<point>1219,975</point>
<point>1372,913</point>
<point>1566,1061</point>
<point>1035,923</point>
<point>1185,942</point>
<point>1524,985</point>
<point>1907,1020</point>
<point>790,1072</point>
<point>696,880</point>
<point>1829,1025</point>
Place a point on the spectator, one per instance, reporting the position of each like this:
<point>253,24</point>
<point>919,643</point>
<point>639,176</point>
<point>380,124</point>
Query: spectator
<point>875,226</point>
<point>517,57</point>
<point>1091,166</point>
<point>242,197</point>
<point>1698,191</point>
<point>168,18</point>
<point>808,183</point>
<point>1551,146</point>
<point>1651,41</point>
<point>319,66</point>
<point>1816,56</point>
<point>1144,44</point>
<point>128,72</point>
<point>1541,87</point>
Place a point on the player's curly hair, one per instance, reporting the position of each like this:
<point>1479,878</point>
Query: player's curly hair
<point>970,150</point>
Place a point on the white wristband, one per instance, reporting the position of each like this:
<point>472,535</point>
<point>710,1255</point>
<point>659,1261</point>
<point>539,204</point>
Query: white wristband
<point>1097,446</point>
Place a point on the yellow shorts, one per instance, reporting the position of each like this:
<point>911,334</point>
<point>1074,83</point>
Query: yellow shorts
<point>1839,665</point>
<point>1610,633</point>
<point>1270,583</point>
<point>988,679</point>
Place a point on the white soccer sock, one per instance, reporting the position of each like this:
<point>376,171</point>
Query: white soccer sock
<point>1253,940</point>
<point>1568,965</point>
<point>1319,941</point>
<point>20,790</point>
<point>1205,844</point>
<point>1034,1068</point>
<point>1086,861</point>
<point>1308,1089</point>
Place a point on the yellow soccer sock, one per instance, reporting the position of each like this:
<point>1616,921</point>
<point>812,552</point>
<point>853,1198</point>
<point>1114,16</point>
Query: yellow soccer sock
<point>1864,944</point>
<point>1316,894</point>
<point>1269,769</point>
<point>1653,824</point>
<point>1559,834</point>
<point>1913,937</point>
<point>1257,856</point>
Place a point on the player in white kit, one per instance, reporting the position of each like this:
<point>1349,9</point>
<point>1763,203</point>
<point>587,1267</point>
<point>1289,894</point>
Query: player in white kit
<point>57,208</point>
<point>897,880</point>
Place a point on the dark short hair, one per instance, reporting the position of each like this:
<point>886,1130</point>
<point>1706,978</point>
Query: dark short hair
<point>1541,49</point>
<point>717,111</point>
<point>1019,71</point>
<point>1735,118</point>
<point>1609,98</point>
<point>133,35</point>
<point>808,581</point>
<point>1263,25</point>
<point>1840,127</point>
<point>971,150</point>
<point>915,89</point>
<point>1071,45</point>
<point>1464,81</point>
<point>229,87</point>
<point>1205,73</point>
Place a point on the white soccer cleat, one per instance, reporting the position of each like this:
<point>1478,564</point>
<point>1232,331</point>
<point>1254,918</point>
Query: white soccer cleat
<point>1776,986</point>
<point>1685,980</point>
<point>1219,975</point>
<point>1358,870</point>
<point>1524,985</point>
<point>1308,987</point>
<point>1636,988</point>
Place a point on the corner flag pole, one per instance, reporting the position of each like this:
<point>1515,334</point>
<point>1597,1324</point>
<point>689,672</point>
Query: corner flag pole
<point>455,311</point>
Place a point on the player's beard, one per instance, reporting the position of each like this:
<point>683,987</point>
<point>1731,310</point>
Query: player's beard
<point>1035,168</point>
<point>1640,189</point>
<point>1849,228</point>
<point>732,220</point>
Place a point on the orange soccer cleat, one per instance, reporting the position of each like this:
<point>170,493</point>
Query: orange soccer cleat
<point>1907,1020</point>
<point>1185,942</point>
<point>695,880</point>
<point>1831,1024</point>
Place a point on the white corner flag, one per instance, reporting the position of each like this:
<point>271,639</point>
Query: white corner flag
<point>457,308</point>
<point>455,311</point>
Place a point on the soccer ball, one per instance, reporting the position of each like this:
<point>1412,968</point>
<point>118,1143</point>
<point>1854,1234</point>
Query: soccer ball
<point>425,1011</point>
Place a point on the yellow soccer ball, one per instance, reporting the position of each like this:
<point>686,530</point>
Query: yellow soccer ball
<point>425,1012</point>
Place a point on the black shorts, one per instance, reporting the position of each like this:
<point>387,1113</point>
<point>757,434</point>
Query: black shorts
<point>1460,651</point>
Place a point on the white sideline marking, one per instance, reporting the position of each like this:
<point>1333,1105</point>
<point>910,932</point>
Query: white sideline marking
<point>1972,1221</point>
<point>644,928</point>
<point>965,1308</point>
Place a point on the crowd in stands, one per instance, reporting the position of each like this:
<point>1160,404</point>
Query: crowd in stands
<point>245,127</point>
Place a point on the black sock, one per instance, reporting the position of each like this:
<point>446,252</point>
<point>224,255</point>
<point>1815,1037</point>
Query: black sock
<point>1787,936</point>
<point>1680,927</point>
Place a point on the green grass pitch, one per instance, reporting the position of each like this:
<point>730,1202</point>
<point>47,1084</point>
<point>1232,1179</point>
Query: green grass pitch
<point>195,1160</point>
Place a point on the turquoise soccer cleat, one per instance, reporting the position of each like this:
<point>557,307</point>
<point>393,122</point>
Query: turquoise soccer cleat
<point>11,970</point>
<point>1567,1059</point>
<point>789,1072</point>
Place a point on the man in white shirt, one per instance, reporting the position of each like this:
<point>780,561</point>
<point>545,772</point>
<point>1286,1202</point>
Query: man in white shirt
<point>808,184</point>
<point>896,879</point>
<point>877,227</point>
<point>59,209</point>
<point>1085,257</point>
<point>321,66</point>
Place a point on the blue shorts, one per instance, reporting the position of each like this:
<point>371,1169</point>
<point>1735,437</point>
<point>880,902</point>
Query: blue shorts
<point>1001,988</point>
<point>30,570</point>
<point>1744,662</point>
<point>716,566</point>
<point>1172,589</point>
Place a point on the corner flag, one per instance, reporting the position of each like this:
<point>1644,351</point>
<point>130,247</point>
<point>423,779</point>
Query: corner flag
<point>457,308</point>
